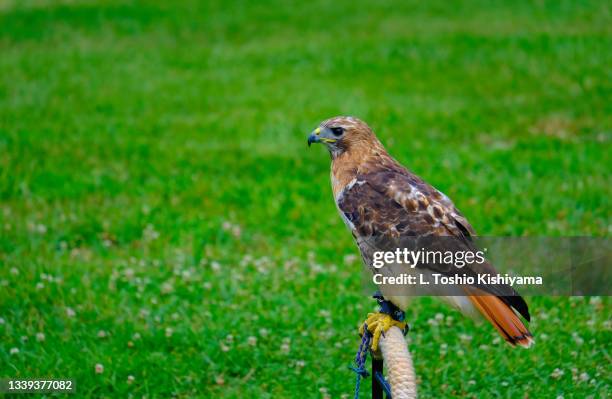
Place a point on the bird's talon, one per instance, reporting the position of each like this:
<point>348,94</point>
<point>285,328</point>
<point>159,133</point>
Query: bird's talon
<point>377,324</point>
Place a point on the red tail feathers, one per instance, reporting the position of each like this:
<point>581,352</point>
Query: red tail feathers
<point>502,317</point>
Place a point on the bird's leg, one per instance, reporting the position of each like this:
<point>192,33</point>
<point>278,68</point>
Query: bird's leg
<point>378,323</point>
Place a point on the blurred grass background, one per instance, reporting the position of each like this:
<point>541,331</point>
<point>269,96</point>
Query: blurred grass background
<point>162,217</point>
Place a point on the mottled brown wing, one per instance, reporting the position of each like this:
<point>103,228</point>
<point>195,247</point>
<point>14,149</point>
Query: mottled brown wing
<point>393,209</point>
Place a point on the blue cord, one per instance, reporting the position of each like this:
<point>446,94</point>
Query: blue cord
<point>360,359</point>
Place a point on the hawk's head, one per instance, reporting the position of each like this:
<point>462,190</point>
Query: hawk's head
<point>343,133</point>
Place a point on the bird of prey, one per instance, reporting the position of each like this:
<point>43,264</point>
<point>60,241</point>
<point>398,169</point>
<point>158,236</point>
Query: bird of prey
<point>386,206</point>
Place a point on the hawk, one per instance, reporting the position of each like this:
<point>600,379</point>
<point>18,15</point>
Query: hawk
<point>386,207</point>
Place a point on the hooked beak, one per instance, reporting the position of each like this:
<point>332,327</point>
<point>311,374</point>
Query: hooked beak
<point>314,136</point>
<point>320,136</point>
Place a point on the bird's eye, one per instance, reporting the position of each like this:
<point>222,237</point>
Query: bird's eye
<point>337,131</point>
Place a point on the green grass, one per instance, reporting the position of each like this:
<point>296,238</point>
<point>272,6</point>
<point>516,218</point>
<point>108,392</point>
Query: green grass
<point>153,163</point>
